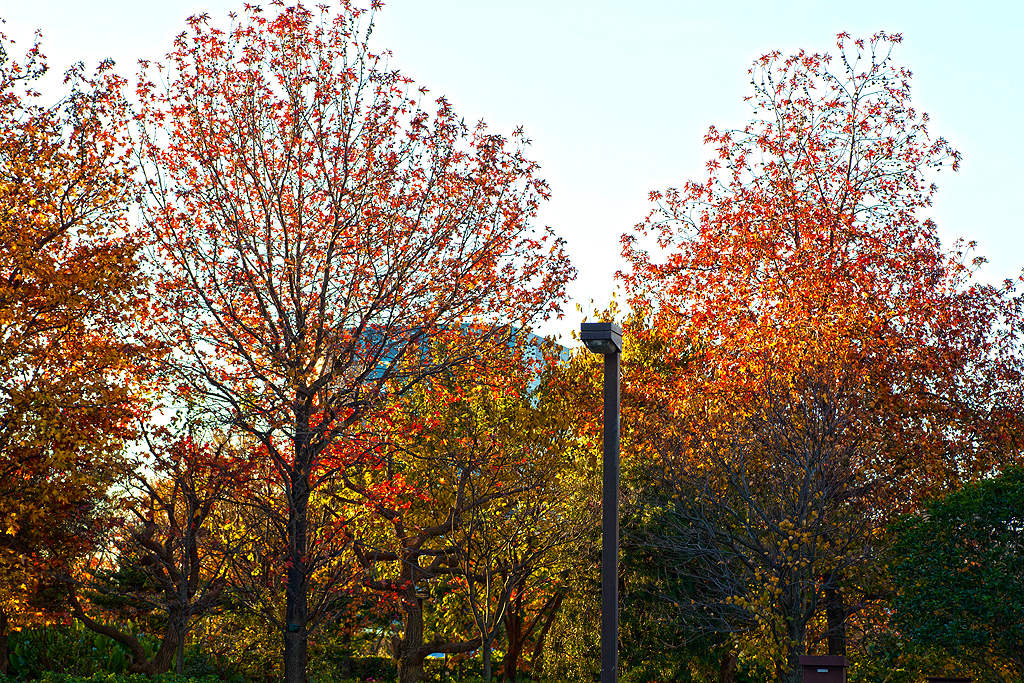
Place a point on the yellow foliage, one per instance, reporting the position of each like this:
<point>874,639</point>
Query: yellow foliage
<point>71,295</point>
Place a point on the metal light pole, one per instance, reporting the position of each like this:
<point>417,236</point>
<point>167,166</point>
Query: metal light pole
<point>606,339</point>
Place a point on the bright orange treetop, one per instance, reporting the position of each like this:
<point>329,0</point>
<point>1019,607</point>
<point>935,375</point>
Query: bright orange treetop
<point>806,245</point>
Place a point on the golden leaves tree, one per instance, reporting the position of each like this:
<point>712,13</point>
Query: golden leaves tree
<point>471,506</point>
<point>70,295</point>
<point>319,231</point>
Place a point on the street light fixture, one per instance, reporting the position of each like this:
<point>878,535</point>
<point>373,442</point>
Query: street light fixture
<point>606,339</point>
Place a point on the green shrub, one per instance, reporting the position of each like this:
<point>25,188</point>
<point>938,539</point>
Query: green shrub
<point>72,650</point>
<point>52,677</point>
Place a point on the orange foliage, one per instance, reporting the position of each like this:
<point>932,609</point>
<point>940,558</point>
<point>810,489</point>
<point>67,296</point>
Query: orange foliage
<point>320,231</point>
<point>72,300</point>
<point>805,247</point>
<point>835,364</point>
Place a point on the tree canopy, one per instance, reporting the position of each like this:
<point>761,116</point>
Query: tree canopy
<point>840,363</point>
<point>72,305</point>
<point>273,403</point>
<point>326,241</point>
<point>958,566</point>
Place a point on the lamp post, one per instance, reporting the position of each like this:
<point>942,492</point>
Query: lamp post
<point>606,339</point>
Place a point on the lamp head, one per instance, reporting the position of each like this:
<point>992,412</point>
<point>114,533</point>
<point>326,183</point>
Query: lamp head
<point>602,337</point>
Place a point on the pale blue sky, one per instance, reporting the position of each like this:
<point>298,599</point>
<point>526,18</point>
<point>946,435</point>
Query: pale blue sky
<point>617,96</point>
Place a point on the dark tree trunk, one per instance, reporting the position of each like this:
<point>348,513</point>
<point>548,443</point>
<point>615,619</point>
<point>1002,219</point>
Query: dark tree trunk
<point>297,594</point>
<point>835,616</point>
<point>180,622</point>
<point>165,654</point>
<point>179,659</point>
<point>728,668</point>
<point>408,649</point>
<point>485,651</point>
<point>5,659</point>
<point>514,632</point>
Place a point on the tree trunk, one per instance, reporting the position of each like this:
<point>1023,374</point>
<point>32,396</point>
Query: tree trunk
<point>410,671</point>
<point>186,590</point>
<point>164,657</point>
<point>179,660</point>
<point>796,633</point>
<point>835,616</point>
<point>4,656</point>
<point>485,651</point>
<point>514,632</point>
<point>297,596</point>
<point>408,649</point>
<point>728,668</point>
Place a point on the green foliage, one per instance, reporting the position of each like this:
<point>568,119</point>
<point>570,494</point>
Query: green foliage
<point>128,592</point>
<point>73,654</point>
<point>890,658</point>
<point>959,567</point>
<point>330,664</point>
<point>754,667</point>
<point>53,677</point>
<point>235,642</point>
<point>574,649</point>
<point>71,650</point>
<point>675,618</point>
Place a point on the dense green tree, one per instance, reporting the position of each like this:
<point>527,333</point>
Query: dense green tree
<point>678,614</point>
<point>959,571</point>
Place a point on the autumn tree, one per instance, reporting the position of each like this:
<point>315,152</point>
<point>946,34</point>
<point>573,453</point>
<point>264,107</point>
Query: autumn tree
<point>170,507</point>
<point>806,249</point>
<point>764,510</point>
<point>466,496</point>
<point>510,548</point>
<point>317,230</point>
<point>255,524</point>
<point>71,299</point>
